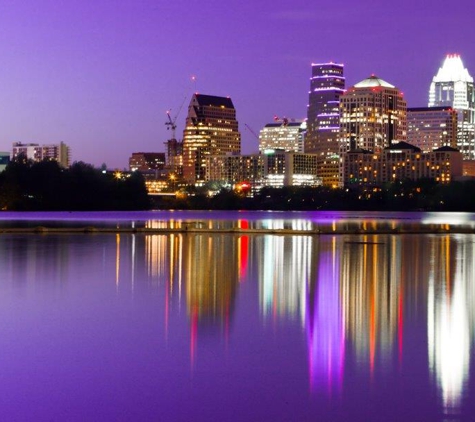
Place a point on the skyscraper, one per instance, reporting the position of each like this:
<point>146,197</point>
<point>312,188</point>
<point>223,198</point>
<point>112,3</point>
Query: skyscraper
<point>323,118</point>
<point>453,87</point>
<point>372,115</point>
<point>211,129</point>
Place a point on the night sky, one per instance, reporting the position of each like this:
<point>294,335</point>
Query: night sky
<point>99,75</point>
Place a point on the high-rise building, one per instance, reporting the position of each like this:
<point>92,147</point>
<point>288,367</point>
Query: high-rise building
<point>211,129</point>
<point>372,115</point>
<point>429,128</point>
<point>36,152</point>
<point>453,87</point>
<point>327,84</point>
<point>283,134</point>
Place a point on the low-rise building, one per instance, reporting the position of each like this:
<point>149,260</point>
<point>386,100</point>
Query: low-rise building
<point>231,168</point>
<point>4,160</point>
<point>36,152</point>
<point>283,168</point>
<point>400,161</point>
<point>275,168</point>
<point>147,161</point>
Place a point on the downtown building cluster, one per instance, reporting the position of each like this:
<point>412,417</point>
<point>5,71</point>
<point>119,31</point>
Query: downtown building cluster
<point>363,135</point>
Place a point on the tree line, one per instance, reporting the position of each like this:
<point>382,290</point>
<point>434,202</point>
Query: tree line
<point>45,186</point>
<point>407,195</point>
<point>36,186</point>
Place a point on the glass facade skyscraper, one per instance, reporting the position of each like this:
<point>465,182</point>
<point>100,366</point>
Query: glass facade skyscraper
<point>211,129</point>
<point>453,87</point>
<point>323,119</point>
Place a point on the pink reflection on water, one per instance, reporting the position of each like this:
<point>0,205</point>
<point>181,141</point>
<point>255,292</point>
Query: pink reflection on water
<point>243,249</point>
<point>325,327</point>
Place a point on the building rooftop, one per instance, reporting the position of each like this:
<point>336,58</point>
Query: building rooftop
<point>211,100</point>
<point>359,151</point>
<point>373,82</point>
<point>402,145</point>
<point>446,149</point>
<point>289,124</point>
<point>452,70</point>
<point>417,109</point>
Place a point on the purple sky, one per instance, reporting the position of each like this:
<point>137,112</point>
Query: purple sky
<point>99,75</point>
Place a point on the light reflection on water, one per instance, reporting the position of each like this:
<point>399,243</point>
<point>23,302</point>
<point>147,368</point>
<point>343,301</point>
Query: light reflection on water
<point>450,320</point>
<point>272,220</point>
<point>275,327</point>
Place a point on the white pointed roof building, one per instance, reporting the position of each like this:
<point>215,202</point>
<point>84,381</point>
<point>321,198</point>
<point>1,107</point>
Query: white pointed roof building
<point>452,86</point>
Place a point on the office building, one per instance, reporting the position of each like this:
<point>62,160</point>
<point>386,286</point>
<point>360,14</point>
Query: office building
<point>286,134</point>
<point>453,87</point>
<point>275,168</point>
<point>429,128</point>
<point>147,161</point>
<point>400,161</point>
<point>36,152</point>
<point>231,169</point>
<point>211,129</point>
<point>372,116</point>
<point>327,84</point>
<point>174,159</point>
<point>290,169</point>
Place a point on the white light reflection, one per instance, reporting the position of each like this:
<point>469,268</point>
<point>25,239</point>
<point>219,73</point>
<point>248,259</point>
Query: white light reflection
<point>284,274</point>
<point>156,254</point>
<point>452,218</point>
<point>303,225</point>
<point>449,321</point>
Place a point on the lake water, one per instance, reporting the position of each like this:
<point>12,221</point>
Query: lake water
<point>228,327</point>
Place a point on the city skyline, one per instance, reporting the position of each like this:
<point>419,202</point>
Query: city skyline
<point>100,76</point>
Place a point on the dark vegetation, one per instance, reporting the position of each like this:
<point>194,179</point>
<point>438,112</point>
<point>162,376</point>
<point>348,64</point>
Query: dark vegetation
<point>28,186</point>
<point>420,195</point>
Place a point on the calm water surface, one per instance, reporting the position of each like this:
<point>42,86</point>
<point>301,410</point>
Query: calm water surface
<point>214,327</point>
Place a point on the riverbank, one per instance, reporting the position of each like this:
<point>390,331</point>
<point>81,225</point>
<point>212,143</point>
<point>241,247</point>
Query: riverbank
<point>194,228</point>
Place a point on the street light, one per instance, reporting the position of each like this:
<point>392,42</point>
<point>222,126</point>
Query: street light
<point>172,178</point>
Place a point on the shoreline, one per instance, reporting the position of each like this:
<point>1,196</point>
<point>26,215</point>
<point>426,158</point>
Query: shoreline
<point>446,229</point>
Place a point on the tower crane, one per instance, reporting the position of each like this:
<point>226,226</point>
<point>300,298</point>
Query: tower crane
<point>284,120</point>
<point>171,123</point>
<point>252,131</point>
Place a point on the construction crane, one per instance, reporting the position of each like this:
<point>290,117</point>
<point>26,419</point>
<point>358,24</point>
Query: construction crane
<point>250,130</point>
<point>284,120</point>
<point>171,122</point>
